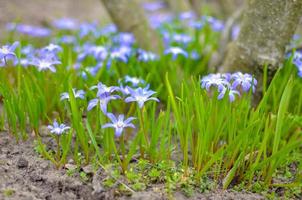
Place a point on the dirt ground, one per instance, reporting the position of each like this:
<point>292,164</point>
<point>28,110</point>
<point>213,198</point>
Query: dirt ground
<point>24,175</point>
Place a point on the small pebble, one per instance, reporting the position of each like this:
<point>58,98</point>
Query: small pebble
<point>88,169</point>
<point>22,163</point>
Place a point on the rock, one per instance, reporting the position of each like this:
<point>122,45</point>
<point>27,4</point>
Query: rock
<point>44,165</point>
<point>88,169</point>
<point>97,181</point>
<point>34,177</point>
<point>70,167</point>
<point>22,163</point>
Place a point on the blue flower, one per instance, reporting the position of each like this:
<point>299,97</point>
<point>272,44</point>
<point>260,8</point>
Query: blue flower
<point>103,89</point>
<point>34,31</point>
<point>140,95</point>
<point>125,90</point>
<point>53,48</point>
<point>109,29</point>
<point>175,51</point>
<point>195,55</point>
<point>77,94</point>
<point>181,38</point>
<point>235,32</point>
<point>146,56</point>
<point>196,24</point>
<point>65,24</point>
<point>67,39</point>
<point>246,81</point>
<point>153,6</point>
<point>217,80</point>
<point>300,73</point>
<point>119,123</point>
<point>228,83</point>
<point>126,39</point>
<point>187,15</point>
<point>45,64</point>
<point>231,92</point>
<point>215,24</point>
<point>103,100</point>
<point>28,50</point>
<point>121,53</point>
<point>297,60</point>
<point>7,51</point>
<point>134,80</point>
<point>87,28</point>
<point>57,129</point>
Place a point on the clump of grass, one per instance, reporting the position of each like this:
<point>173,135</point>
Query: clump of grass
<point>139,111</point>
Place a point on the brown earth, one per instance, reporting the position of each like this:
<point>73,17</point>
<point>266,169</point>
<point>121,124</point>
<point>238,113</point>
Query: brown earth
<point>24,175</point>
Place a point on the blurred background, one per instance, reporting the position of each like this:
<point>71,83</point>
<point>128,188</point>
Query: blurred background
<point>42,12</point>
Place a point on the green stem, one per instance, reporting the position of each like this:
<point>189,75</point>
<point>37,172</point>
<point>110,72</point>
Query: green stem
<point>123,150</point>
<point>58,153</point>
<point>144,137</point>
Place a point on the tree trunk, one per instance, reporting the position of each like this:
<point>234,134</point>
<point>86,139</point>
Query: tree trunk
<point>228,7</point>
<point>178,6</point>
<point>266,29</point>
<point>130,17</point>
<point>196,6</point>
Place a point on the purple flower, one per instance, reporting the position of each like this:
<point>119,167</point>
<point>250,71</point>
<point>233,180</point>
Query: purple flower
<point>175,51</point>
<point>53,48</point>
<point>28,50</point>
<point>65,24</point>
<point>7,51</point>
<point>126,39</point>
<point>232,93</point>
<point>77,94</point>
<point>121,53</point>
<point>297,60</point>
<point>300,73</point>
<point>228,83</point>
<point>215,24</point>
<point>45,64</point>
<point>141,95</point>
<point>35,31</point>
<point>87,28</point>
<point>187,15</point>
<point>109,29</point>
<point>235,32</point>
<point>67,39</point>
<point>103,89</point>
<point>153,6</point>
<point>181,38</point>
<point>119,123</point>
<point>125,90</point>
<point>218,80</point>
<point>99,52</point>
<point>195,55</point>
<point>146,56</point>
<point>246,81</point>
<point>134,80</point>
<point>57,129</point>
<point>196,24</point>
<point>103,100</point>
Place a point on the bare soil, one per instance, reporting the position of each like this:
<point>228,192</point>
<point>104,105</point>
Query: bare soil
<point>24,175</point>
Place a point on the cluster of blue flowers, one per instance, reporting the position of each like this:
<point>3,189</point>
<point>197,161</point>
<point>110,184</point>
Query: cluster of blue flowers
<point>115,47</point>
<point>104,95</point>
<point>231,84</point>
<point>128,93</point>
